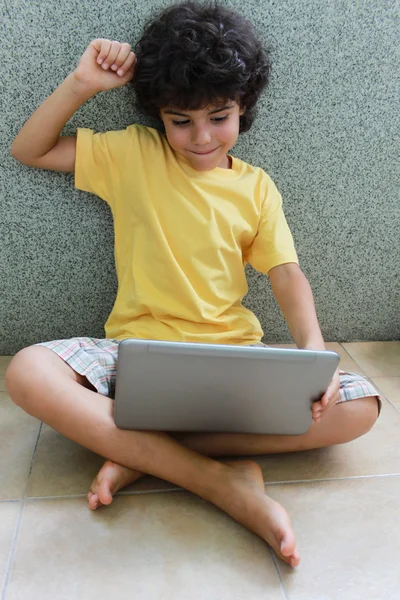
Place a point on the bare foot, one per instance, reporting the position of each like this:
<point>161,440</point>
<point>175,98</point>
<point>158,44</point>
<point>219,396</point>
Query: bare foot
<point>242,496</point>
<point>245,500</point>
<point>111,478</point>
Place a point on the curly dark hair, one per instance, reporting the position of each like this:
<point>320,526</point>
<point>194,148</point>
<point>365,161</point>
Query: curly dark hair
<point>192,55</point>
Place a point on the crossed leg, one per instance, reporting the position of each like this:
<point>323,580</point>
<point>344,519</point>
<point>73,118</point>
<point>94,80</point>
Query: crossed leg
<point>47,388</point>
<point>342,423</point>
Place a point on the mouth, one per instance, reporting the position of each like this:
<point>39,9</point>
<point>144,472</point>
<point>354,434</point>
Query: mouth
<point>204,153</point>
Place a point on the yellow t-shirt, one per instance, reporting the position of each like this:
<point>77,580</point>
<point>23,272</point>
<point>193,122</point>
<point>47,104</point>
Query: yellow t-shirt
<point>182,237</point>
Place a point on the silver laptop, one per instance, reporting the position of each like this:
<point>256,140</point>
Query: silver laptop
<point>174,386</point>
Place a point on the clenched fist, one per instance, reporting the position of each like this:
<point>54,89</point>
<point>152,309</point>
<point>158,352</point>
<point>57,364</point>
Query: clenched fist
<point>105,65</point>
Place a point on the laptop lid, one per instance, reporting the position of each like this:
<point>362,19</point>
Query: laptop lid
<point>174,386</point>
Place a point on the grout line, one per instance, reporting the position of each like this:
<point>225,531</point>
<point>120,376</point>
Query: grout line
<point>350,478</point>
<point>276,565</point>
<point>178,489</point>
<point>141,492</point>
<point>74,496</point>
<point>29,499</point>
<point>10,500</point>
<point>12,553</point>
<point>386,398</point>
<point>19,519</point>
<point>371,381</point>
<point>32,460</point>
<point>384,395</point>
<point>363,373</point>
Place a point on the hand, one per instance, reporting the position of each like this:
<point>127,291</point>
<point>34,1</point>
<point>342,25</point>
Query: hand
<point>105,65</point>
<point>330,398</point>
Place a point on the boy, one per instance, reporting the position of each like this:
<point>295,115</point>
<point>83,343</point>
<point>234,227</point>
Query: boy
<point>187,217</point>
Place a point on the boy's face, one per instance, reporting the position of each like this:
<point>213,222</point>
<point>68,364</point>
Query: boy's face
<point>203,136</point>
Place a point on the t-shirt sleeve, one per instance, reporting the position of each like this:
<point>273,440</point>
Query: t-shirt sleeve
<point>100,158</point>
<point>273,244</point>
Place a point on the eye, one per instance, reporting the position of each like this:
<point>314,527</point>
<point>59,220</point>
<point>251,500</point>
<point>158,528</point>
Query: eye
<point>219,119</point>
<point>179,123</point>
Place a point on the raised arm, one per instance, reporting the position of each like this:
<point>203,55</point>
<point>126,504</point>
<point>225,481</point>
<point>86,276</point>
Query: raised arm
<point>103,66</point>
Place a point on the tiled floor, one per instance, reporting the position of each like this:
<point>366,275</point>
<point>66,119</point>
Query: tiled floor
<point>155,542</point>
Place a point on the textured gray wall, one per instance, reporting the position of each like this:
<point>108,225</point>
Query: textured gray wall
<point>327,132</point>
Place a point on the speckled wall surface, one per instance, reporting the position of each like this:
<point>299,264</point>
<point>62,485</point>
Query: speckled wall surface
<point>327,132</point>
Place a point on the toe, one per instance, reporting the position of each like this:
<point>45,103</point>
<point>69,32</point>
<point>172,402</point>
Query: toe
<point>104,493</point>
<point>288,552</point>
<point>293,560</point>
<point>286,547</point>
<point>93,500</point>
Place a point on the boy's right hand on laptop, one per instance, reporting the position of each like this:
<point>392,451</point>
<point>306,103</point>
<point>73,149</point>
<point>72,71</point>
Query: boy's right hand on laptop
<point>105,65</point>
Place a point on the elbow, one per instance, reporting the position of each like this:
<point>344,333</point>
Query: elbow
<point>20,157</point>
<point>16,154</point>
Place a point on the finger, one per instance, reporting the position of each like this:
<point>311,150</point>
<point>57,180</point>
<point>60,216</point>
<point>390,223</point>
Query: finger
<point>123,54</point>
<point>113,51</point>
<point>331,402</point>
<point>104,48</point>
<point>316,406</point>
<point>331,392</point>
<point>334,397</point>
<point>325,399</point>
<point>128,64</point>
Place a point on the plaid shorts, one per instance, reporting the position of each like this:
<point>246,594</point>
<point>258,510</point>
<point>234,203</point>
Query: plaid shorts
<point>96,359</point>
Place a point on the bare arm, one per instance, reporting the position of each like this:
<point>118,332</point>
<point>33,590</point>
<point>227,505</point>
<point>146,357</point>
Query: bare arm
<point>294,296</point>
<point>39,143</point>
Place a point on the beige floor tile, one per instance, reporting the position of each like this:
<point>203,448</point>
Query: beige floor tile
<point>4,362</point>
<point>8,519</point>
<point>378,359</point>
<point>346,362</point>
<point>348,537</point>
<point>164,546</point>
<point>18,435</point>
<point>61,467</point>
<point>390,387</point>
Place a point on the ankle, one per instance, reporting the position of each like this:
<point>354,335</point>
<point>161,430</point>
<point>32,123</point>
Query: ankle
<point>217,483</point>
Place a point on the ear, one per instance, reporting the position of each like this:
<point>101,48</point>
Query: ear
<point>242,111</point>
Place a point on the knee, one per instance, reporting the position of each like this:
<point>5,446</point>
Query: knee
<point>21,372</point>
<point>365,412</point>
<point>371,412</point>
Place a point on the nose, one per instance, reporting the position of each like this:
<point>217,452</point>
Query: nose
<point>201,135</point>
